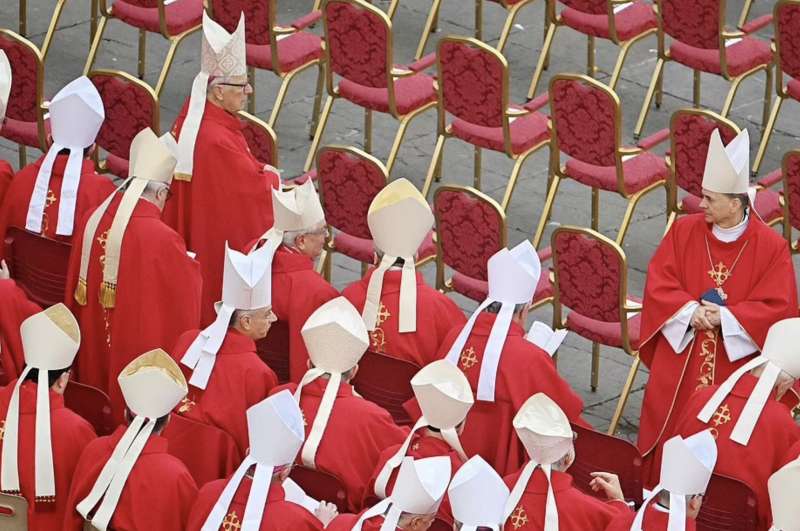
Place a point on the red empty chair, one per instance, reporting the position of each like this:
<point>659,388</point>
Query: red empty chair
<point>130,106</point>
<point>92,404</point>
<point>598,452</point>
<point>700,41</point>
<point>38,264</point>
<point>219,456</point>
<point>728,505</point>
<point>387,382</point>
<point>13,512</point>
<point>789,175</point>
<point>261,139</point>
<point>321,486</point>
<point>274,350</point>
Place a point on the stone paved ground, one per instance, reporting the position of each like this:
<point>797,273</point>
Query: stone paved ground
<point>119,50</point>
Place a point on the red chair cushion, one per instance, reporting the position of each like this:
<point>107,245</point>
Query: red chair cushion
<point>363,249</point>
<point>640,172</point>
<point>793,88</point>
<point>630,22</point>
<point>296,50</point>
<point>181,15</point>
<point>603,332</point>
<point>25,133</point>
<point>117,165</point>
<point>411,93</point>
<point>526,131</point>
<point>768,205</point>
<point>742,56</point>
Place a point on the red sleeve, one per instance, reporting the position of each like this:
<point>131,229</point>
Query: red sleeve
<point>14,309</point>
<point>6,175</point>
<point>448,316</point>
<point>82,481</point>
<point>206,499</point>
<point>259,381</point>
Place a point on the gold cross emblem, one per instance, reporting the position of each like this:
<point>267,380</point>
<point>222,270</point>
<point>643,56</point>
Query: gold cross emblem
<point>50,199</point>
<point>186,405</point>
<point>719,274</point>
<point>415,447</point>
<point>102,239</point>
<point>468,358</point>
<point>721,416</point>
<point>231,522</point>
<point>519,517</point>
<point>383,314</point>
<point>2,429</point>
<point>377,340</point>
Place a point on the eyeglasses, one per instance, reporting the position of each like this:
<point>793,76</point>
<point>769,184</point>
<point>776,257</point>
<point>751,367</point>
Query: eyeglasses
<point>241,86</point>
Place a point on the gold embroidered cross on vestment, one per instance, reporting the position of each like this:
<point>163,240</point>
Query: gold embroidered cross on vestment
<point>467,360</point>
<point>519,517</point>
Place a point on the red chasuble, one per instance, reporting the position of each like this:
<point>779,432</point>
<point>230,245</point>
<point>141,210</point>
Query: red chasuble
<point>279,514</point>
<point>228,198</point>
<point>524,370</point>
<point>69,435</point>
<point>774,434</point>
<point>792,454</point>
<point>158,494</point>
<point>356,434</point>
<point>239,380</point>
<point>6,175</point>
<point>158,297</point>
<point>437,315</point>
<point>14,309</point>
<point>345,522</point>
<point>92,190</point>
<point>576,511</point>
<point>761,290</point>
<point>654,520</point>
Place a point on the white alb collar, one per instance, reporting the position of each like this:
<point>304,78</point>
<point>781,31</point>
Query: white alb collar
<point>730,234</point>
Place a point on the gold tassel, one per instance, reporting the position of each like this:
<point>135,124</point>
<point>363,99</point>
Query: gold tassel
<point>108,294</point>
<point>44,499</point>
<point>80,292</point>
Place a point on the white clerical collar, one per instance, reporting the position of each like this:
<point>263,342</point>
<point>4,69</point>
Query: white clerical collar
<point>730,234</point>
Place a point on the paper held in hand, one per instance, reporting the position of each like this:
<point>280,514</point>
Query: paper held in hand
<point>545,337</point>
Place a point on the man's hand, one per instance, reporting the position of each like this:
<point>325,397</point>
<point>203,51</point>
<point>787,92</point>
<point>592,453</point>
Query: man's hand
<point>700,320</point>
<point>609,484</point>
<point>273,169</point>
<point>712,313</point>
<point>326,512</point>
<point>5,274</point>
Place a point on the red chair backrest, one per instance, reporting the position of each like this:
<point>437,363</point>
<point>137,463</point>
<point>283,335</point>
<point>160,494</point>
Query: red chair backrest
<point>349,180</point>
<point>470,228</point>
<point>728,505</point>
<point>791,189</point>
<point>321,486</point>
<point>141,3</point>
<point>260,139</point>
<point>693,22</point>
<point>473,81</point>
<point>208,452</point>
<point>130,106</point>
<point>598,452</point>
<point>274,350</point>
<point>592,7</point>
<point>92,404</point>
<point>589,272</point>
<point>585,117</point>
<point>27,76</point>
<point>690,130</point>
<point>359,42</point>
<point>387,382</point>
<point>787,28</point>
<point>256,18</point>
<point>38,264</point>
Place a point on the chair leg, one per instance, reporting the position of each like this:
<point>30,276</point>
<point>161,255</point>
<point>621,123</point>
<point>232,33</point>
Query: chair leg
<point>436,161</point>
<point>52,27</point>
<point>433,16</point>
<point>23,17</point>
<point>623,397</point>
<point>767,97</point>
<point>251,101</point>
<point>140,64</point>
<point>392,9</point>
<point>660,89</point>
<point>648,99</point>
<point>479,19</point>
<point>546,210</point>
<point>595,365</point>
<point>398,141</point>
<point>540,64</point>
<point>327,265</point>
<point>368,131</point>
<point>173,47</point>
<point>626,218</point>
<point>591,69</point>
<point>276,107</point>
<point>323,120</point>
<point>623,54</point>
<point>98,36</point>
<point>509,24</point>
<point>726,107</point>
<point>696,89</point>
<point>92,21</point>
<point>23,156</point>
<point>595,208</point>
<point>745,12</point>
<point>762,146</point>
<point>317,99</point>
<point>476,167</point>
<point>512,180</point>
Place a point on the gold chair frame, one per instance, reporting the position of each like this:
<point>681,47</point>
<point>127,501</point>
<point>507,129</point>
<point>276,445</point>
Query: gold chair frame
<point>794,246</point>
<point>656,82</point>
<point>174,40</point>
<point>557,172</point>
<point>18,506</point>
<point>556,21</point>
<point>625,307</point>
<point>392,73</point>
<point>51,28</point>
<point>444,131</point>
<point>264,126</point>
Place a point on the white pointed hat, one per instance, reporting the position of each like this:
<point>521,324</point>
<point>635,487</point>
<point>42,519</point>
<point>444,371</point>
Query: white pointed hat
<point>783,486</point>
<point>5,84</point>
<point>445,397</point>
<point>152,386</point>
<point>295,209</point>
<point>76,115</point>
<point>335,338</point>
<point>727,169</point>
<point>779,354</point>
<point>275,427</point>
<point>478,496</point>
<point>513,276</point>
<point>399,219</point>
<point>50,339</point>
<point>224,55</point>
<point>686,468</point>
<point>420,487</point>
<point>246,285</point>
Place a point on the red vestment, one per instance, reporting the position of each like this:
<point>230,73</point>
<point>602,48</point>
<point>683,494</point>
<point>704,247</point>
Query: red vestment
<point>69,435</point>
<point>92,190</point>
<point>437,315</point>
<point>157,297</point>
<point>6,175</point>
<point>157,495</point>
<point>792,454</point>
<point>279,514</point>
<point>524,370</point>
<point>345,522</point>
<point>576,511</point>
<point>654,520</point>
<point>228,198</point>
<point>761,291</point>
<point>239,380</point>
<point>356,434</point>
<point>14,309</point>
<point>774,433</point>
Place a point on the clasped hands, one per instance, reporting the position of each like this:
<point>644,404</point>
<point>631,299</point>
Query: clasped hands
<point>706,316</point>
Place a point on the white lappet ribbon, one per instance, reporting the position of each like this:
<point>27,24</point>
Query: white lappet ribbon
<point>677,511</point>
<point>202,353</point>
<point>191,127</point>
<point>67,197</point>
<point>390,519</point>
<point>256,500</point>
<point>308,453</point>
<point>551,510</point>
<point>408,295</point>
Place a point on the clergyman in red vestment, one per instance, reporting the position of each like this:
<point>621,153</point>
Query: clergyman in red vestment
<point>15,308</point>
<point>783,486</point>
